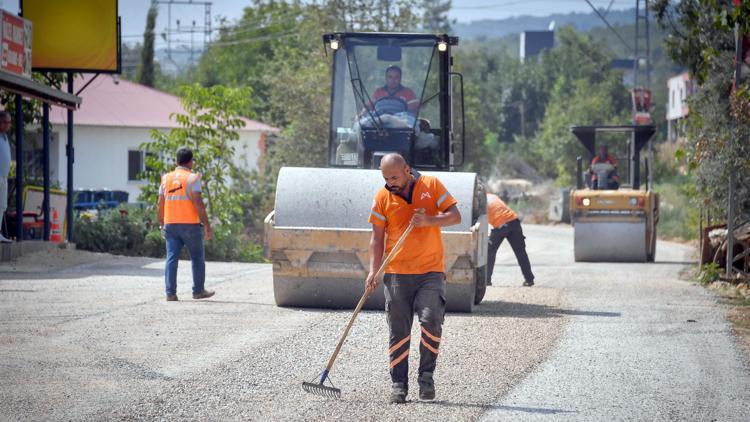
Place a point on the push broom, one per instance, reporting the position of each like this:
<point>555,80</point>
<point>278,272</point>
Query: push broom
<point>319,388</point>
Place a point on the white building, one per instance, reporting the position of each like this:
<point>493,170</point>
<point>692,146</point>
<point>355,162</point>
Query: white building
<point>680,87</point>
<point>114,120</point>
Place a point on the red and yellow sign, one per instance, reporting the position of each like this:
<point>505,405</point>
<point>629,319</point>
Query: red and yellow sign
<point>15,33</point>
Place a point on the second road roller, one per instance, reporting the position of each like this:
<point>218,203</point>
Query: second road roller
<point>614,217</point>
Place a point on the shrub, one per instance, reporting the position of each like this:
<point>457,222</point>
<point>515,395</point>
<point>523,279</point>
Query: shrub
<point>135,234</point>
<point>709,273</point>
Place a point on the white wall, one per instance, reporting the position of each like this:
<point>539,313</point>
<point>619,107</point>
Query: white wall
<point>101,156</point>
<point>678,92</point>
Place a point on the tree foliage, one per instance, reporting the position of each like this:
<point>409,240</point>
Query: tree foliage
<point>209,128</point>
<point>526,109</point>
<point>702,39</point>
<point>435,17</point>
<point>146,71</point>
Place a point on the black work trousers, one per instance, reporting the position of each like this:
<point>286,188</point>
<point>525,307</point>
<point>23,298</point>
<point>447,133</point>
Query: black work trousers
<point>513,231</point>
<point>406,294</point>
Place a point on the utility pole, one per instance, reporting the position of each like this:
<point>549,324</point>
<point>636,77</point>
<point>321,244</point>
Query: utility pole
<point>738,55</point>
<point>206,24</point>
<point>642,77</point>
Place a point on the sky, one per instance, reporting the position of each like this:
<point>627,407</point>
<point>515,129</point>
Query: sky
<point>133,12</point>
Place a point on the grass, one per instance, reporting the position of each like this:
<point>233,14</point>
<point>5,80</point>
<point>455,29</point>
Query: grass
<point>678,220</point>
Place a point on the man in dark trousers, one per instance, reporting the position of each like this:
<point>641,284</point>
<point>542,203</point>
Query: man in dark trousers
<point>504,222</point>
<point>415,278</point>
<point>184,222</point>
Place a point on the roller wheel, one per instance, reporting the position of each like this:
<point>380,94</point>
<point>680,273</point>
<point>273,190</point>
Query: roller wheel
<point>651,255</point>
<point>480,278</point>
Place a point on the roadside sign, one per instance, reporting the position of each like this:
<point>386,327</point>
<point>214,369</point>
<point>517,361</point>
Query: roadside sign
<point>15,34</point>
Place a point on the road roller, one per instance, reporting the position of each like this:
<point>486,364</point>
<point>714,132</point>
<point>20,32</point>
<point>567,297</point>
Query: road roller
<point>613,221</point>
<point>318,234</point>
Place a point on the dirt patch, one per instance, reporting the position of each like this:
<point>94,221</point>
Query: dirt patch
<point>737,298</point>
<point>739,314</point>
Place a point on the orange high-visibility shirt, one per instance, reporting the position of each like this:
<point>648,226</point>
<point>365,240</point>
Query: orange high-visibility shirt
<point>422,252</point>
<point>178,188</point>
<point>498,213</point>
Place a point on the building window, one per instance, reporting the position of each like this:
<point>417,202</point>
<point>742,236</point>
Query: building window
<point>136,164</point>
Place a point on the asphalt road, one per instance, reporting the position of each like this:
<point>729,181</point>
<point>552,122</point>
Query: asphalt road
<point>90,337</point>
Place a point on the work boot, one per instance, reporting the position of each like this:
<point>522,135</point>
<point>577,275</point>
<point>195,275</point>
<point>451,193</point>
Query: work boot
<point>204,294</point>
<point>528,283</point>
<point>426,386</point>
<point>172,298</point>
<point>399,390</point>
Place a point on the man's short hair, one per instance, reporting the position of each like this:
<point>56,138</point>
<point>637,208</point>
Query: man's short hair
<point>184,155</point>
<point>393,67</point>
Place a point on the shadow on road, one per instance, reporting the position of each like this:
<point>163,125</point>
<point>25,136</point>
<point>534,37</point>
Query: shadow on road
<point>109,266</point>
<point>539,410</point>
<point>484,406</point>
<point>676,262</point>
<point>528,310</point>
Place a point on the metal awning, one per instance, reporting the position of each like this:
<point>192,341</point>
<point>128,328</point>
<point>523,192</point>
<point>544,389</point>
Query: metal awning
<point>30,88</point>
<point>587,134</point>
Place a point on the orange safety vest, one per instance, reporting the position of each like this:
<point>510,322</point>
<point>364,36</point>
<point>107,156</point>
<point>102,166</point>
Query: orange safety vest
<point>178,197</point>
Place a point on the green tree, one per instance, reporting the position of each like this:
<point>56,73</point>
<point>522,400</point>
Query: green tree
<point>209,128</point>
<point>146,71</point>
<point>701,38</point>
<point>435,17</point>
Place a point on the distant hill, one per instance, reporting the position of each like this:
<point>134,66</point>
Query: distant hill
<point>499,28</point>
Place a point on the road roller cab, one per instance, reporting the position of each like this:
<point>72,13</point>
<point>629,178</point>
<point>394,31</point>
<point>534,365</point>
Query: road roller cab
<point>614,224</point>
<point>390,92</point>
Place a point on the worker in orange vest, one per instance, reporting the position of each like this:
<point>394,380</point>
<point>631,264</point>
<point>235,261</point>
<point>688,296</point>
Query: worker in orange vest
<point>184,222</point>
<point>414,281</point>
<point>504,222</point>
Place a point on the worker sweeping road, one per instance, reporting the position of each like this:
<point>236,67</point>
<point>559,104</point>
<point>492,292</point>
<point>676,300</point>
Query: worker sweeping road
<point>415,279</point>
<point>504,222</point>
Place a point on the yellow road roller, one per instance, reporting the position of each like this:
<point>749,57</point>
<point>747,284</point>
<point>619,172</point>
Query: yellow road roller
<point>318,234</point>
<point>613,222</point>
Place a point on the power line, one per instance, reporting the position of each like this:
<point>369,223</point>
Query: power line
<point>609,26</point>
<point>515,2</point>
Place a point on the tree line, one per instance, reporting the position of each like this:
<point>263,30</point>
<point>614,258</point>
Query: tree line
<point>518,114</point>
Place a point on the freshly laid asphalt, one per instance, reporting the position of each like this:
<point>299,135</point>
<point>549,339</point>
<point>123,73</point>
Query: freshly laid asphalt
<point>89,337</point>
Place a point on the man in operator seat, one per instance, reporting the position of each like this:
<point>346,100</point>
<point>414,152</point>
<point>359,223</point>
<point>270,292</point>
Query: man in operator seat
<point>613,180</point>
<point>394,98</point>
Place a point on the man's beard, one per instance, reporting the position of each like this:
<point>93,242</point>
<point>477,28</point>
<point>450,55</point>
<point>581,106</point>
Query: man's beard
<point>394,189</point>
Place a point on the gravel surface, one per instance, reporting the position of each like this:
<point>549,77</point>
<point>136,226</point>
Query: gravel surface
<point>642,345</point>
<point>96,340</point>
<point>89,337</point>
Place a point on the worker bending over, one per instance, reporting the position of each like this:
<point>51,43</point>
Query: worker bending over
<point>505,224</point>
<point>415,278</point>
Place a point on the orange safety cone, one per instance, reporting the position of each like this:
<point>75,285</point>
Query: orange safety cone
<point>55,234</point>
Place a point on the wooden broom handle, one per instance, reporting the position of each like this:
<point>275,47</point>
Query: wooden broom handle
<point>362,300</point>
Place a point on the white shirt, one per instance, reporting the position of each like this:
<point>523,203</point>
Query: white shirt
<point>4,155</point>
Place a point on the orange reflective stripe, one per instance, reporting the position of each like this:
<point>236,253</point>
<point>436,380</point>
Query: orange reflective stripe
<point>430,348</point>
<point>398,360</point>
<point>399,344</point>
<point>429,334</point>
